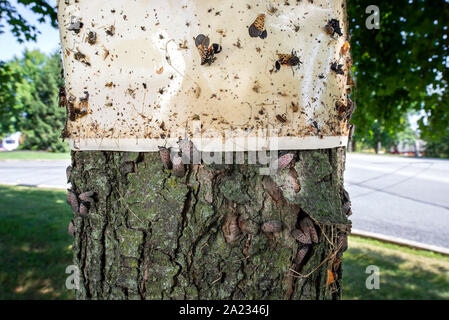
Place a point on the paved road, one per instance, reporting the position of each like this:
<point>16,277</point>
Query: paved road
<point>49,174</point>
<point>402,197</point>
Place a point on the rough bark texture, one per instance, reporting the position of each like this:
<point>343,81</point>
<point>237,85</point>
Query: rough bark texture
<point>151,235</point>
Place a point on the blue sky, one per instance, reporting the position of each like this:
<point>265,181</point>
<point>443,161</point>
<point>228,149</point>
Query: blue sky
<point>47,41</point>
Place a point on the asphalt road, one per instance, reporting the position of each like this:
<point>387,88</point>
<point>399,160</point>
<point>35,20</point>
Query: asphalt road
<point>406,198</point>
<point>50,174</point>
<point>403,197</point>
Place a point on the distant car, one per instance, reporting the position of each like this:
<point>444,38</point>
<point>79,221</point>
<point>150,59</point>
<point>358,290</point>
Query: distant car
<point>12,142</point>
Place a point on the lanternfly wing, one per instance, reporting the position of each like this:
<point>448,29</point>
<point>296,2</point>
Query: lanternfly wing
<point>202,43</point>
<point>257,29</point>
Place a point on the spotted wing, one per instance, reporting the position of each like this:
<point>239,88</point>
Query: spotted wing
<point>202,43</point>
<point>257,28</point>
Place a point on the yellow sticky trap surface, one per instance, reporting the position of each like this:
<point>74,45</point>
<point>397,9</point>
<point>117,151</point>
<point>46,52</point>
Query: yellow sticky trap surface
<point>134,79</point>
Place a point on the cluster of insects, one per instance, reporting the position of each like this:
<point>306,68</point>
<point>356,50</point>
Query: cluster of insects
<point>337,68</point>
<point>81,203</point>
<point>175,161</point>
<point>333,27</point>
<point>207,53</point>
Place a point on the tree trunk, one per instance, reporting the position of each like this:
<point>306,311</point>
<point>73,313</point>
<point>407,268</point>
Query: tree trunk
<point>151,235</point>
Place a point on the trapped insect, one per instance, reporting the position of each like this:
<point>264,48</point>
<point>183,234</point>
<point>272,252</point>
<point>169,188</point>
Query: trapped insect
<point>257,28</point>
<point>62,97</point>
<point>92,37</point>
<point>337,68</point>
<point>207,53</point>
<point>291,60</point>
<point>75,25</point>
<point>333,27</point>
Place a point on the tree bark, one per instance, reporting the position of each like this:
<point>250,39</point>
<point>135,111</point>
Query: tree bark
<point>151,235</point>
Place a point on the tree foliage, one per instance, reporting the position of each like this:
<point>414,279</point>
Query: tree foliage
<point>401,67</point>
<point>32,101</point>
<point>22,29</point>
<point>9,112</point>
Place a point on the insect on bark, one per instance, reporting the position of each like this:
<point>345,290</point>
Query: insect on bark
<point>178,167</point>
<point>164,153</point>
<point>272,226</point>
<point>71,228</point>
<point>333,27</point>
<point>231,230</point>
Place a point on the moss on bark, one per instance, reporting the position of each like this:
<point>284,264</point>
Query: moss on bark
<point>151,235</point>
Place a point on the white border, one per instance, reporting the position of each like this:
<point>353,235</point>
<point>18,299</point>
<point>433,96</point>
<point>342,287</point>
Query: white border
<point>212,145</point>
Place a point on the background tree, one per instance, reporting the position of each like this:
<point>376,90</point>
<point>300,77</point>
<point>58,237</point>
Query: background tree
<point>22,29</point>
<point>9,111</point>
<point>29,85</point>
<point>30,95</point>
<point>402,67</point>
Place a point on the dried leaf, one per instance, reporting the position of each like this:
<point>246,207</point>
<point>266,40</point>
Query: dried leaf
<point>330,277</point>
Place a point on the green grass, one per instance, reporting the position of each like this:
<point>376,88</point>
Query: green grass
<point>35,250</point>
<point>404,273</point>
<point>33,155</point>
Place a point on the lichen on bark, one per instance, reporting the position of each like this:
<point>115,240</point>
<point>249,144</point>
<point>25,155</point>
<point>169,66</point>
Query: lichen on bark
<point>151,235</point>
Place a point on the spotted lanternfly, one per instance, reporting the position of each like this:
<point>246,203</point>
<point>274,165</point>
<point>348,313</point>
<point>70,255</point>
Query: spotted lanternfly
<point>110,31</point>
<point>68,172</point>
<point>301,236</point>
<point>92,37</point>
<point>272,226</point>
<point>272,188</point>
<point>207,53</point>
<point>342,245</point>
<point>178,167</point>
<point>291,60</point>
<point>75,25</point>
<point>308,227</point>
<point>283,161</point>
<point>84,209</point>
<point>165,157</point>
<point>189,152</point>
<point>333,27</point>
<point>281,118</point>
<point>302,252</point>
<point>81,57</point>
<point>87,196</point>
<point>337,68</point>
<point>62,97</point>
<point>257,28</point>
<point>231,229</point>
<point>71,228</point>
<point>86,97</point>
<point>72,200</point>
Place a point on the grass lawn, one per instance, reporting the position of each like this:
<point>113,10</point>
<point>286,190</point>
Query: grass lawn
<point>404,273</point>
<point>33,155</point>
<point>35,250</point>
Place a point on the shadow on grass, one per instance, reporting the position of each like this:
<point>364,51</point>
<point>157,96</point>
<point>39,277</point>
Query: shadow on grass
<point>35,251</point>
<point>34,244</point>
<point>399,279</point>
